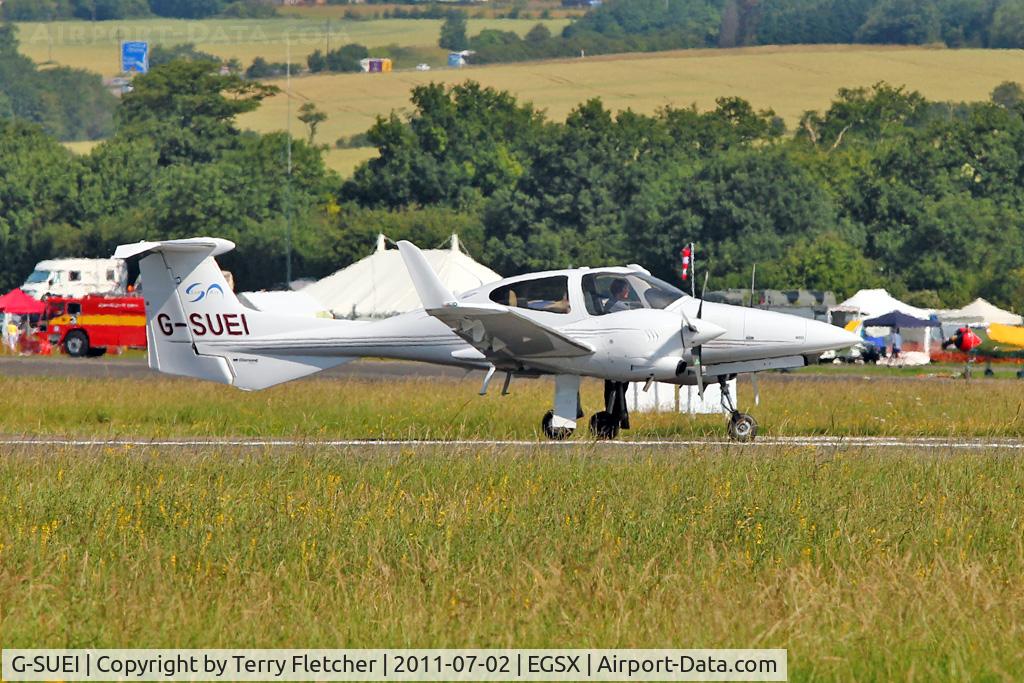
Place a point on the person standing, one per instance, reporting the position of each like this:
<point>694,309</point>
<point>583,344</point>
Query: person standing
<point>897,342</point>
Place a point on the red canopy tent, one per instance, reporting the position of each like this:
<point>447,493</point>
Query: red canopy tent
<point>20,303</point>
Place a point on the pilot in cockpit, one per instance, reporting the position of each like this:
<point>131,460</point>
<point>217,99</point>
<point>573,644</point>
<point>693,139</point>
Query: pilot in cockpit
<point>619,299</point>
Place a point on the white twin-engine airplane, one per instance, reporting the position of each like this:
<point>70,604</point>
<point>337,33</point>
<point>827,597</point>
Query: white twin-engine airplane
<point>616,324</point>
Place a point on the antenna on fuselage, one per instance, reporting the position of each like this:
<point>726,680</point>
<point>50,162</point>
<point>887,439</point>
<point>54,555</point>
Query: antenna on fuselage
<point>753,274</point>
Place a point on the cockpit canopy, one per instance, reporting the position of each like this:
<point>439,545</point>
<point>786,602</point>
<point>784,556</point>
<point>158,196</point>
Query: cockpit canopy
<point>602,293</point>
<point>612,292</point>
<point>549,294</point>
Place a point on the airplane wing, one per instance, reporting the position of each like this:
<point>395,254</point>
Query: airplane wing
<point>1007,335</point>
<point>499,332</point>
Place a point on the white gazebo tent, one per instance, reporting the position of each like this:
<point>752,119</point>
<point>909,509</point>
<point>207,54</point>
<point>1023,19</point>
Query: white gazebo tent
<point>982,312</point>
<point>871,303</point>
<point>379,285</point>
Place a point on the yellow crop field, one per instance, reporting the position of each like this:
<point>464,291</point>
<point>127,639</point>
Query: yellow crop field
<point>790,80</point>
<point>345,161</point>
<point>83,146</point>
<point>95,45</point>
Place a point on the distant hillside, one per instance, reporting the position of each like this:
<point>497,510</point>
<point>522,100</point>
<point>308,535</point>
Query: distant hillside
<point>790,80</point>
<point>655,25</point>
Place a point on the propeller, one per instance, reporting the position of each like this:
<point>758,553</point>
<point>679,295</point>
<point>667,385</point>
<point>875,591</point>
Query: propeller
<point>698,350</point>
<point>699,332</point>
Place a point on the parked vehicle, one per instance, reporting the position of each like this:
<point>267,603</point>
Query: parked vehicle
<point>90,325</point>
<point>77,277</point>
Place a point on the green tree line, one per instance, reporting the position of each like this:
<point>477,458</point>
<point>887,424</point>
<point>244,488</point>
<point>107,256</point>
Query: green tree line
<point>884,187</point>
<point>42,96</point>
<point>102,10</point>
<point>176,165</point>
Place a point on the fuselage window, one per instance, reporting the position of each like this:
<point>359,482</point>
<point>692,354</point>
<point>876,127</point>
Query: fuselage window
<point>550,294</point>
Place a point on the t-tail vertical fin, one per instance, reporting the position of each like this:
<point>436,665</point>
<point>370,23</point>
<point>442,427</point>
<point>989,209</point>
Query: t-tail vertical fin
<point>197,327</point>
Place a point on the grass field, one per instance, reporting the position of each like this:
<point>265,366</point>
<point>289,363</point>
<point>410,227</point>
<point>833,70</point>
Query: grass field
<point>443,408</point>
<point>95,46</point>
<point>865,566</point>
<point>789,80</point>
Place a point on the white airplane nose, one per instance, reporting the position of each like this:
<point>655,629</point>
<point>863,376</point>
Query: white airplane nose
<point>825,337</point>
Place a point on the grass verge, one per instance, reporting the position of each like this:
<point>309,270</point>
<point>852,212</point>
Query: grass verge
<point>446,408</point>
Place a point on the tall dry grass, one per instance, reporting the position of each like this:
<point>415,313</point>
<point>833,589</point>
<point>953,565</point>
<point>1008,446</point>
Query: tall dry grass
<point>865,565</point>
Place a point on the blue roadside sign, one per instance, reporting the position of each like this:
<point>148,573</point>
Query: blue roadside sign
<point>134,57</point>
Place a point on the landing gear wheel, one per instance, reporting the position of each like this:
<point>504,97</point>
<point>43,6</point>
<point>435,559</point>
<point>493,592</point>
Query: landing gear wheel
<point>76,344</point>
<point>552,432</point>
<point>742,427</point>
<point>604,425</point>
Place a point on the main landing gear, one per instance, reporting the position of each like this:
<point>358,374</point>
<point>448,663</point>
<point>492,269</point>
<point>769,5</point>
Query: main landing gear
<point>615,416</point>
<point>560,423</point>
<point>742,426</point>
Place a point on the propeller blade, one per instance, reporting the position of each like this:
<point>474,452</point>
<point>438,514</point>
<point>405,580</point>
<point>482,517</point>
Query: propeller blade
<point>687,323</point>
<point>699,368</point>
<point>703,290</point>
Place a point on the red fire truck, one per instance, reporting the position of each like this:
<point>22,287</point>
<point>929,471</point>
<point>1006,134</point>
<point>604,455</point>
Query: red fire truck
<point>91,324</point>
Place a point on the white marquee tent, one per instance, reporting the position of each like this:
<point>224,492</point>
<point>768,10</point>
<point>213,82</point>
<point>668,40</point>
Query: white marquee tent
<point>875,302</point>
<point>980,311</point>
<point>379,285</point>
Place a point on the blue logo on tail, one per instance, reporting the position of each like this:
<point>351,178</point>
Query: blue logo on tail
<point>196,289</point>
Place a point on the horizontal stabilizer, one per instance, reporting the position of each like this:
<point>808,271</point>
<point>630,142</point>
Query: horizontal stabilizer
<point>208,246</point>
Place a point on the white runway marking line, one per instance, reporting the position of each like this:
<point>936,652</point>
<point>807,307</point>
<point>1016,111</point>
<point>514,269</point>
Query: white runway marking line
<point>932,442</point>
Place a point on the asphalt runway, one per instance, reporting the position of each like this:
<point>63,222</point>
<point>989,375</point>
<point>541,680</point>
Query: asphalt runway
<point>823,442</point>
<point>136,368</point>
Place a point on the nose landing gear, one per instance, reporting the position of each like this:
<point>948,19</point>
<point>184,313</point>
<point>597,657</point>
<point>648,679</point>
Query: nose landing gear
<point>742,426</point>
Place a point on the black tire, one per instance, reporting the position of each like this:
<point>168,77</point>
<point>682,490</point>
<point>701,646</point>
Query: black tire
<point>76,344</point>
<point>603,425</point>
<point>554,433</point>
<point>742,427</point>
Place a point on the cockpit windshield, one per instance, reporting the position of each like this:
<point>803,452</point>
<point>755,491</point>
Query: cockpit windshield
<point>37,276</point>
<point>613,292</point>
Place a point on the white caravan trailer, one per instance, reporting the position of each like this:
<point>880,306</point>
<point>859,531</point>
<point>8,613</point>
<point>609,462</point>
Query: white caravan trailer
<point>77,277</point>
